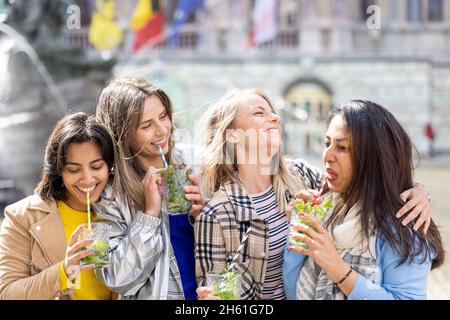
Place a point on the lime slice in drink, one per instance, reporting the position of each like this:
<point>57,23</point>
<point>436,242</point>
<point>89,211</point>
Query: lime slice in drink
<point>99,245</point>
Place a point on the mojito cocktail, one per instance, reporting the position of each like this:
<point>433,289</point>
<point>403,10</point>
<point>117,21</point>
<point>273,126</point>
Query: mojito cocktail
<point>174,180</point>
<point>310,208</point>
<point>226,285</point>
<point>99,233</point>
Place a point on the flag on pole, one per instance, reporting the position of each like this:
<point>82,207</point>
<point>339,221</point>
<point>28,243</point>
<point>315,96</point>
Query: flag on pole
<point>184,9</point>
<point>147,22</point>
<point>264,22</point>
<point>141,14</point>
<point>104,32</point>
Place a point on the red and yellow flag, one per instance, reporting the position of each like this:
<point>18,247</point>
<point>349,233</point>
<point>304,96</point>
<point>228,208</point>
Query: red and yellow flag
<point>148,23</point>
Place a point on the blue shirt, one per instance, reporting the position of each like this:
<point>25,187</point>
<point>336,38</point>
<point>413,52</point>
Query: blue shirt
<point>408,281</point>
<point>182,240</point>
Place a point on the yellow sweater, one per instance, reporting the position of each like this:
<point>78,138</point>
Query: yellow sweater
<point>87,287</point>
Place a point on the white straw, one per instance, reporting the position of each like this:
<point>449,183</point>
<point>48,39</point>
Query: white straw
<point>241,246</point>
<point>162,156</point>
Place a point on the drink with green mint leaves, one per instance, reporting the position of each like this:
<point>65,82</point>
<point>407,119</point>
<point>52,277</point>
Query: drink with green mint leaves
<point>311,208</point>
<point>226,285</point>
<point>99,232</point>
<point>174,180</point>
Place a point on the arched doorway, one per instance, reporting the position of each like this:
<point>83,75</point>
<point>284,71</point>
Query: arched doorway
<point>309,103</point>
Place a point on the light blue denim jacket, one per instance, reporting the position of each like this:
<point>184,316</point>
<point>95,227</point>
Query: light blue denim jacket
<point>405,282</point>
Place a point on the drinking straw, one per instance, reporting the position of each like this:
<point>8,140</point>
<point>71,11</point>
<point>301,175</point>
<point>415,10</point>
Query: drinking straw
<point>241,246</point>
<point>162,156</point>
<point>322,188</point>
<point>88,203</point>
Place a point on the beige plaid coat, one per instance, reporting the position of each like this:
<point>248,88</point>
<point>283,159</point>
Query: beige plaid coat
<point>223,223</point>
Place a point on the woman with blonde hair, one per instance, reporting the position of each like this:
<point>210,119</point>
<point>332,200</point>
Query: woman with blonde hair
<point>152,254</point>
<point>250,184</point>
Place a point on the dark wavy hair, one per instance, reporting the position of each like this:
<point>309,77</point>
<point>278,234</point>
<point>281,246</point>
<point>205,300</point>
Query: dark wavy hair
<point>382,158</point>
<point>74,128</point>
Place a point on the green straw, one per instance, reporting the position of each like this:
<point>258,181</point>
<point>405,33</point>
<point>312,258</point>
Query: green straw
<point>162,156</point>
<point>88,203</point>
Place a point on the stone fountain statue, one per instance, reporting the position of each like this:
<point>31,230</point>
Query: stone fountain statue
<point>41,79</point>
<point>41,23</point>
<point>38,21</point>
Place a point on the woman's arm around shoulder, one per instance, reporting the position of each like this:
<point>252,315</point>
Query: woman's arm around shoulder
<point>313,176</point>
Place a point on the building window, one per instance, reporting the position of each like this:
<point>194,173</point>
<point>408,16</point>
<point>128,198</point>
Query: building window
<point>435,9</point>
<point>308,10</point>
<point>308,104</point>
<point>87,7</point>
<point>414,10</point>
<point>288,13</point>
<point>288,21</point>
<point>338,8</point>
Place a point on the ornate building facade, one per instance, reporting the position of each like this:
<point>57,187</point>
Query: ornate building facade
<point>396,53</point>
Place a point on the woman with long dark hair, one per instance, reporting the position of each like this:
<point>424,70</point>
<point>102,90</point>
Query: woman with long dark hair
<point>363,251</point>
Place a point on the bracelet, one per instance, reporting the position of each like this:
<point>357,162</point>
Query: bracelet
<point>346,276</point>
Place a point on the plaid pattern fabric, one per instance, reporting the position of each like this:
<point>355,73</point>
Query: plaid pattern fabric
<point>175,287</point>
<point>312,176</point>
<point>314,283</point>
<point>357,251</point>
<point>222,225</point>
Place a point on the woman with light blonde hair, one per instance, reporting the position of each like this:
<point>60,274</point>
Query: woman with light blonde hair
<point>152,254</point>
<point>217,165</point>
<point>249,183</point>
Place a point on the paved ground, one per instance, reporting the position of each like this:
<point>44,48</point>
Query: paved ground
<point>437,180</point>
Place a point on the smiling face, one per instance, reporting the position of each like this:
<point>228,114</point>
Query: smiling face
<point>257,127</point>
<point>337,155</point>
<point>84,170</point>
<point>153,131</point>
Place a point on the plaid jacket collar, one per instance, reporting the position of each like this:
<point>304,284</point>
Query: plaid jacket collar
<point>241,202</point>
